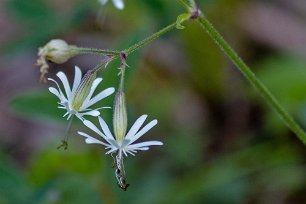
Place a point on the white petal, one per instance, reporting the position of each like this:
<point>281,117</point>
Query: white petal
<point>140,149</point>
<point>143,148</point>
<point>91,126</point>
<point>144,144</point>
<point>118,4</point>
<point>79,116</point>
<point>55,92</point>
<point>67,113</point>
<point>105,128</point>
<point>69,116</point>
<point>93,87</point>
<point>124,152</point>
<point>65,82</point>
<point>59,89</point>
<point>143,131</point>
<point>77,79</point>
<point>136,126</point>
<point>91,140</point>
<point>100,96</point>
<point>94,113</point>
<point>131,152</point>
<point>111,150</point>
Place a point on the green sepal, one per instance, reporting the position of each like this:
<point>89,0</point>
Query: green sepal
<point>181,19</point>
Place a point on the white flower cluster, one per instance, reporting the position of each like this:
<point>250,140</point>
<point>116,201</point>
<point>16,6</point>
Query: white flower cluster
<point>78,100</point>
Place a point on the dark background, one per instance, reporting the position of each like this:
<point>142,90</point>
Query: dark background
<point>222,142</point>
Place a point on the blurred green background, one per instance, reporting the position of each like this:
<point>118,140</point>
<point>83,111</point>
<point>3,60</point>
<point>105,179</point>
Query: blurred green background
<point>222,142</point>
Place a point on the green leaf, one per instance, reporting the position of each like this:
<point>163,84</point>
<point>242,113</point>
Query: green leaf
<point>36,105</point>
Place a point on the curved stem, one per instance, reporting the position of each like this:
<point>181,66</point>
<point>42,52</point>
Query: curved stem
<point>247,73</point>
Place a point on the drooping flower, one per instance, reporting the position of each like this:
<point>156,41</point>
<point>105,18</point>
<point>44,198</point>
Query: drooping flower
<point>121,143</point>
<point>119,4</point>
<point>57,51</point>
<point>77,101</point>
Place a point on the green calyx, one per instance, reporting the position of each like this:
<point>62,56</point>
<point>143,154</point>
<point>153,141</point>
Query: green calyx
<point>83,90</point>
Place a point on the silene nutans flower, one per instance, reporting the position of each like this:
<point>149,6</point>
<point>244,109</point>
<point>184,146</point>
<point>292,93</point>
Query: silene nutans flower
<point>77,101</point>
<point>57,51</point>
<point>121,142</point>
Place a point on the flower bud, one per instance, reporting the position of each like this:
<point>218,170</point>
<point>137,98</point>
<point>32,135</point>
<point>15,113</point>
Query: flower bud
<point>120,117</point>
<point>57,51</point>
<point>83,90</point>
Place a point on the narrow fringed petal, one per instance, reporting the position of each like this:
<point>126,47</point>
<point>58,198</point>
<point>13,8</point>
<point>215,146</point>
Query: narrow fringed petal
<point>144,144</point>
<point>59,89</point>
<point>100,96</point>
<point>105,128</point>
<point>65,82</point>
<point>77,79</point>
<point>136,126</point>
<point>142,131</point>
<point>94,113</point>
<point>55,92</point>
<point>91,126</point>
<point>91,140</point>
<point>94,85</point>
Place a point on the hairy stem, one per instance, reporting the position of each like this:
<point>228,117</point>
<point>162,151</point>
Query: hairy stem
<point>96,51</point>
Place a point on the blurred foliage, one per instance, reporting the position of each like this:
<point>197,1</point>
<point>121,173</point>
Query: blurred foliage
<point>288,86</point>
<point>222,143</point>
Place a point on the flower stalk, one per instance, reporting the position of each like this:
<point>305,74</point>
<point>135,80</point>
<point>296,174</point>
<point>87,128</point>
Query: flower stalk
<point>82,50</point>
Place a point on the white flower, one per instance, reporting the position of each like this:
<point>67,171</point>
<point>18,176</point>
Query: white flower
<point>127,146</point>
<point>117,3</point>
<point>76,101</point>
